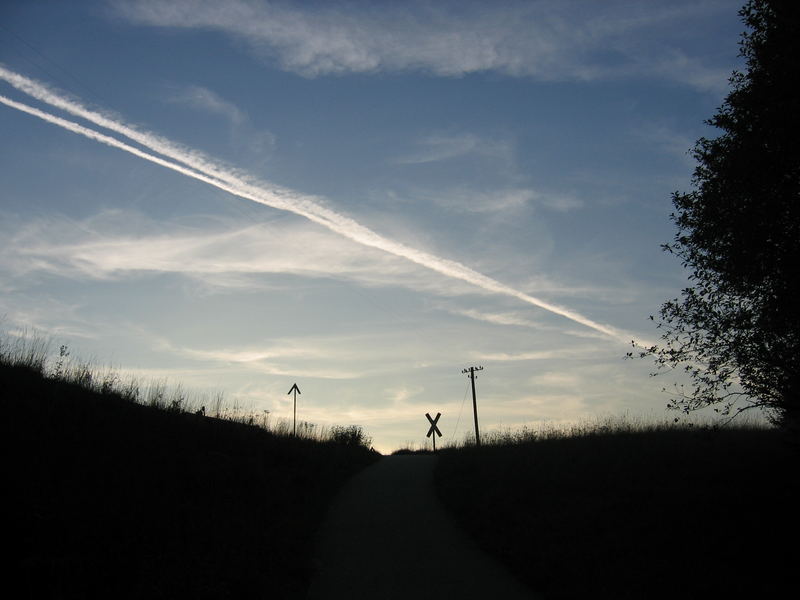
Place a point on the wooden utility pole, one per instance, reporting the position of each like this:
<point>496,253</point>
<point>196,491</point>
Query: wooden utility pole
<point>296,391</point>
<point>471,372</point>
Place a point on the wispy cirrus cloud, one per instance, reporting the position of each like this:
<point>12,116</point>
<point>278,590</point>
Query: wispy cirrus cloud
<point>548,39</point>
<point>203,99</point>
<point>497,200</point>
<point>338,356</point>
<point>259,143</point>
<point>219,254</point>
<point>506,318</point>
<point>269,366</point>
<point>439,146</point>
<point>522,356</point>
<point>196,166</point>
<point>319,357</point>
<point>670,141</point>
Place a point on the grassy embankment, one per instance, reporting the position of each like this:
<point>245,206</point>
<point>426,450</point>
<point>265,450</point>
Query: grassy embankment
<point>633,511</point>
<point>119,493</point>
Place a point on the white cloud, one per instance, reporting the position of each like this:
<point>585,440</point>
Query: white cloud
<point>222,255</point>
<point>248,356</point>
<point>501,200</point>
<point>229,256</point>
<point>556,379</point>
<point>512,319</point>
<point>547,39</point>
<point>195,166</point>
<point>465,200</point>
<point>547,407</point>
<point>50,317</point>
<point>439,147</point>
<point>341,356</point>
<point>333,357</point>
<point>669,140</point>
<point>259,143</point>
<point>203,99</point>
<point>403,394</point>
<point>536,355</point>
<point>558,202</point>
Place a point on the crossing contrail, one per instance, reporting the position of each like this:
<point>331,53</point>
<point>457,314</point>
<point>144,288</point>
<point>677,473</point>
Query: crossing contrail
<point>194,164</point>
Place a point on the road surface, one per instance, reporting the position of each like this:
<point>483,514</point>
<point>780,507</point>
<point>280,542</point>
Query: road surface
<point>387,536</point>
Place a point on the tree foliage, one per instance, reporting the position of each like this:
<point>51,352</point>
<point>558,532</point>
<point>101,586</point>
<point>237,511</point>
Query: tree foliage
<point>736,328</point>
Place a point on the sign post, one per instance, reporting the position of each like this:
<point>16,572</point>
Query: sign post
<point>434,430</point>
<point>296,391</point>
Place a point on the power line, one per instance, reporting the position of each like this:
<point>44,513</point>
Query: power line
<point>43,57</point>
<point>460,411</point>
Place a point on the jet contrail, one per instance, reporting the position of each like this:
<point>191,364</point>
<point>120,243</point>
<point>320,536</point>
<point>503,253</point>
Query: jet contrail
<point>197,166</point>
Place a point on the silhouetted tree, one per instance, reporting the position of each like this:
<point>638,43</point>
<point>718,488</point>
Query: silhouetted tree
<point>736,329</point>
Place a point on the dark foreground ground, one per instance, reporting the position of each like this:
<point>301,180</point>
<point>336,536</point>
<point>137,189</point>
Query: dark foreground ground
<point>388,537</point>
<point>670,514</point>
<point>111,499</point>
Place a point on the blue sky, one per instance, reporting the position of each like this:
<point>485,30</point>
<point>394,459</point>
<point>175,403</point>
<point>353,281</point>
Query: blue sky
<point>388,193</point>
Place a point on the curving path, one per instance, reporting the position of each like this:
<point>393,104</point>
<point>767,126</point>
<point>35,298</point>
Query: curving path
<point>387,536</point>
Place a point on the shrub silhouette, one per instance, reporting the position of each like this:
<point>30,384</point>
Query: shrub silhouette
<point>350,435</point>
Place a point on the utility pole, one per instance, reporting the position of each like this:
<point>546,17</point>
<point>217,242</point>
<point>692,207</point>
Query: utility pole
<point>296,391</point>
<point>471,372</point>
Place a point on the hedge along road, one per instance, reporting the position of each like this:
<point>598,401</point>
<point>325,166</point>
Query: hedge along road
<point>387,536</point>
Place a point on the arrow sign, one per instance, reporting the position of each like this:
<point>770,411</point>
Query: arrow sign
<point>434,428</point>
<point>296,391</point>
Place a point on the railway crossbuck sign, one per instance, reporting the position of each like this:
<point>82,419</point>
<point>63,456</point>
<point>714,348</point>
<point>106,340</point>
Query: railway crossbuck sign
<point>434,430</point>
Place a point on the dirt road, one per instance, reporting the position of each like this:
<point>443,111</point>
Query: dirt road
<point>387,537</point>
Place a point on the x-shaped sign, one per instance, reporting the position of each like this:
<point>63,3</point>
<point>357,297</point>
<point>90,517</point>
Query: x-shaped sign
<point>434,428</point>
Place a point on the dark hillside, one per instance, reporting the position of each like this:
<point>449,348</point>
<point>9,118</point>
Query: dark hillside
<point>119,500</point>
<point>672,513</point>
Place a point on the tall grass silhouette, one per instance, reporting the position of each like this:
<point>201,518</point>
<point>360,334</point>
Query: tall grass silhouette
<point>622,508</point>
<point>33,351</point>
<point>127,489</point>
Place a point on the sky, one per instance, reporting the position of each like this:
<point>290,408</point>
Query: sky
<point>363,198</point>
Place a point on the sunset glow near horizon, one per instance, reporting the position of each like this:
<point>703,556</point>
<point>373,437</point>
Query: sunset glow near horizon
<point>360,198</point>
